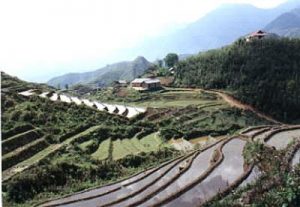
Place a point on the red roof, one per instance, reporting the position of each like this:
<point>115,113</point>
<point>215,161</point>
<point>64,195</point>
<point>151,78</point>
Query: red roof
<point>258,34</point>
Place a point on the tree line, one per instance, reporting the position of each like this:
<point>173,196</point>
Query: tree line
<point>264,73</point>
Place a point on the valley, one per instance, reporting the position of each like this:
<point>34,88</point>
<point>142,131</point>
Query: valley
<point>216,125</point>
<point>178,127</point>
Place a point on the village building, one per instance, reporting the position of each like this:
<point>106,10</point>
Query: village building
<point>120,83</point>
<point>142,84</point>
<point>256,35</point>
<point>172,70</point>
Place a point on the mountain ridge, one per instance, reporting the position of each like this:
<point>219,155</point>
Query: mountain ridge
<point>287,24</point>
<point>218,28</point>
<point>104,76</point>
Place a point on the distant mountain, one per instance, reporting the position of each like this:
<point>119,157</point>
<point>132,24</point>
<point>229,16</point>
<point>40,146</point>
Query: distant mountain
<point>126,70</point>
<point>287,24</point>
<point>218,28</point>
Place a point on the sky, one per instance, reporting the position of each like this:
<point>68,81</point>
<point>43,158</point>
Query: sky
<point>40,39</point>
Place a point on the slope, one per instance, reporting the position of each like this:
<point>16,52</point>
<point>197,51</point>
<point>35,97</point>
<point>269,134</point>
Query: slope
<point>126,70</point>
<point>263,73</point>
<point>287,24</point>
<point>220,27</point>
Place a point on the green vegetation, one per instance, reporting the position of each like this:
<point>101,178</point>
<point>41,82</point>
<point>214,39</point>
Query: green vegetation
<point>263,73</point>
<point>55,148</point>
<point>73,172</point>
<point>152,141</point>
<point>44,145</point>
<point>171,59</point>
<point>126,70</point>
<point>102,153</point>
<point>23,153</point>
<point>119,150</point>
<point>277,186</point>
<point>192,121</point>
<point>162,99</point>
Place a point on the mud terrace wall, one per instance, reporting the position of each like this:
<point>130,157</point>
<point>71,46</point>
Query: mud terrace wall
<point>121,110</point>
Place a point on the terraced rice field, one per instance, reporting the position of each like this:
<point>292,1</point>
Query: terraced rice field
<point>86,144</point>
<point>282,139</point>
<point>21,157</point>
<point>296,158</point>
<point>102,153</point>
<point>127,111</point>
<point>152,141</point>
<point>120,148</point>
<point>191,180</point>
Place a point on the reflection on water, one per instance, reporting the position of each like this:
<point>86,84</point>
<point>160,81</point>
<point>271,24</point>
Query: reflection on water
<point>225,174</point>
<point>282,139</point>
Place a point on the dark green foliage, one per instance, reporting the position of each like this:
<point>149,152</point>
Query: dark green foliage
<point>73,170</point>
<point>16,130</point>
<point>263,73</point>
<point>77,130</point>
<point>20,140</point>
<point>199,122</point>
<point>27,185</point>
<point>171,59</point>
<point>12,159</point>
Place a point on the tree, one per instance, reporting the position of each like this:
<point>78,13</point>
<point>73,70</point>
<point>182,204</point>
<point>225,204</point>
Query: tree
<point>160,63</point>
<point>171,59</point>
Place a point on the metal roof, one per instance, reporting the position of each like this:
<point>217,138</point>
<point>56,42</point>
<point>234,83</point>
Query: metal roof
<point>145,80</point>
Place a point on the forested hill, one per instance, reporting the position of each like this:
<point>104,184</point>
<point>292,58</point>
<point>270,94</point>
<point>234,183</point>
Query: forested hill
<point>264,73</point>
<point>127,70</point>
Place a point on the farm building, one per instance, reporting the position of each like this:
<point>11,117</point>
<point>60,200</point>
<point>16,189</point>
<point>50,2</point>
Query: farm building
<point>256,35</point>
<point>142,84</point>
<point>120,83</point>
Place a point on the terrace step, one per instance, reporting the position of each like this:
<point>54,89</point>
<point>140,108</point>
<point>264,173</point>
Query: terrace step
<point>128,112</point>
<point>225,174</point>
<point>16,130</point>
<point>103,190</point>
<point>10,172</point>
<point>19,140</point>
<point>21,166</point>
<point>102,153</point>
<point>126,191</point>
<point>22,153</point>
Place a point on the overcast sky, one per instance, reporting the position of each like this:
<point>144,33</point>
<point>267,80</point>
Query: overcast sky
<point>43,38</point>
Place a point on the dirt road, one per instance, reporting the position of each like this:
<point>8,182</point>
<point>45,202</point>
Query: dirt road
<point>236,103</point>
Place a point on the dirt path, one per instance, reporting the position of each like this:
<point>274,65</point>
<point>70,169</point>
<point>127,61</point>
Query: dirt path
<point>236,103</point>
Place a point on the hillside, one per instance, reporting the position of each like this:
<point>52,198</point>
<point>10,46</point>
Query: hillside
<point>51,147</point>
<point>286,25</point>
<point>263,73</point>
<point>126,70</point>
<point>218,28</point>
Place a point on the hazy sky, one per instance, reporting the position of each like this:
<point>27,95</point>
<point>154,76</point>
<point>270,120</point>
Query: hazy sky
<point>40,39</point>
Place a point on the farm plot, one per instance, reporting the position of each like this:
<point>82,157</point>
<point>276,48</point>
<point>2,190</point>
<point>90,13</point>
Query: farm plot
<point>199,166</point>
<point>19,167</point>
<point>189,181</point>
<point>151,142</point>
<point>119,151</point>
<point>19,140</point>
<point>102,153</point>
<point>85,145</point>
<point>230,169</point>
<point>23,153</point>
<point>282,139</point>
<point>16,130</point>
<point>130,190</point>
<point>121,110</point>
